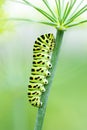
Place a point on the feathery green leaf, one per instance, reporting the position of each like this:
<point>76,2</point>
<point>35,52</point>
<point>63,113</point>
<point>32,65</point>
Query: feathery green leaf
<point>67,13</point>
<point>32,21</point>
<point>48,6</point>
<point>76,23</point>
<point>69,9</point>
<point>41,11</point>
<point>77,14</point>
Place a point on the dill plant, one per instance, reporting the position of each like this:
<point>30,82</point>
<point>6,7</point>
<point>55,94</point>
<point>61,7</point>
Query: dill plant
<point>67,15</point>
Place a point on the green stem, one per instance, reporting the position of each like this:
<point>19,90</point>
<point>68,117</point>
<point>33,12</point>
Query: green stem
<point>44,98</point>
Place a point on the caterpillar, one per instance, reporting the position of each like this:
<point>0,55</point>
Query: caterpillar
<point>42,51</point>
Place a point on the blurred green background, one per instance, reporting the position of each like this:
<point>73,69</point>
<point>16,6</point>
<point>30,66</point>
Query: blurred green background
<point>67,104</point>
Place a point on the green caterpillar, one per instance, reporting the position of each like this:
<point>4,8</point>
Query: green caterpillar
<point>42,51</point>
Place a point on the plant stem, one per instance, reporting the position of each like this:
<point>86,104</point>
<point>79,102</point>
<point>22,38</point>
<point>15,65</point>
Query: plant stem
<point>44,97</point>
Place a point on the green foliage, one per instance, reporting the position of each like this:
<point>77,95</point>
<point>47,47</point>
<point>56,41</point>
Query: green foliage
<point>66,15</point>
<point>2,2</point>
<point>4,25</point>
<point>2,22</point>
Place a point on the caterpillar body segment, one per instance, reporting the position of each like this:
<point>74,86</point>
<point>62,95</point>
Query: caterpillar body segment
<point>41,45</point>
<point>35,101</point>
<point>36,86</point>
<point>47,39</point>
<point>40,71</point>
<point>34,93</point>
<point>38,79</point>
<point>40,50</point>
<point>41,65</point>
<point>41,56</point>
